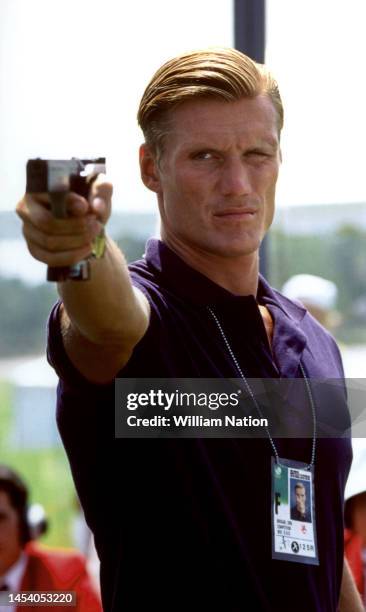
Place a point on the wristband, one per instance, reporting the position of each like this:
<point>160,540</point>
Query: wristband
<point>99,245</point>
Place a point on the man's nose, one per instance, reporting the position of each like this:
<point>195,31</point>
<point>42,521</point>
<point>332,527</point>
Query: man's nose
<point>235,178</point>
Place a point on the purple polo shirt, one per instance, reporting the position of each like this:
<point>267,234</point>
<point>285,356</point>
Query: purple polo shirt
<point>185,523</point>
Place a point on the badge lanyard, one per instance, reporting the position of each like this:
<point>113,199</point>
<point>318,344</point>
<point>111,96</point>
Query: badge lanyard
<point>292,499</point>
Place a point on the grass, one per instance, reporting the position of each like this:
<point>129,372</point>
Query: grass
<point>6,398</point>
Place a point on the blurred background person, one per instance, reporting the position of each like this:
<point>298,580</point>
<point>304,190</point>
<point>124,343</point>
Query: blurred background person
<point>28,566</point>
<point>355,516</point>
<point>83,540</point>
<point>317,294</point>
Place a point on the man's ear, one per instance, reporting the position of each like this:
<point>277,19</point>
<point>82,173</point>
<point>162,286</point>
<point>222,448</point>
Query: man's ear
<point>149,169</point>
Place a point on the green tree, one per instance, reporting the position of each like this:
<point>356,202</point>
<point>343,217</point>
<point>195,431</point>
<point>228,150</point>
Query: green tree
<point>23,316</point>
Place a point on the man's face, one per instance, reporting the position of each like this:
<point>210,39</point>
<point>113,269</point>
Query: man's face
<point>10,547</point>
<point>300,499</point>
<point>217,175</point>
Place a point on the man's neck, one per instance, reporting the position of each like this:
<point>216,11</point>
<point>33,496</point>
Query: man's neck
<point>239,275</point>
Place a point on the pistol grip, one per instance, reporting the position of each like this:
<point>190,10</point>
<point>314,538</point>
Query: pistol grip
<point>58,204</point>
<point>79,271</point>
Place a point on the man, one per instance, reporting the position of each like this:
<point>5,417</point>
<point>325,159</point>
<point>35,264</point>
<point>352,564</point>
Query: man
<point>299,512</point>
<point>171,518</point>
<point>27,566</point>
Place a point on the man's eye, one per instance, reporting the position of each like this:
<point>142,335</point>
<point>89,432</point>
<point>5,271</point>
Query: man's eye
<point>203,155</point>
<point>257,154</point>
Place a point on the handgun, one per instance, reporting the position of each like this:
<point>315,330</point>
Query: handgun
<point>58,177</point>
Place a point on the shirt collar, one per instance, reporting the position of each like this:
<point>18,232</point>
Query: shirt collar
<point>14,575</point>
<point>199,289</point>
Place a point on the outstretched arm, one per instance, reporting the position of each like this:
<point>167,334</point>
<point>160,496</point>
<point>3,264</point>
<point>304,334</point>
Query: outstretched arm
<point>102,319</point>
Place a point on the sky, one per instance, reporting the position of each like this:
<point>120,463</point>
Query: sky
<point>72,74</point>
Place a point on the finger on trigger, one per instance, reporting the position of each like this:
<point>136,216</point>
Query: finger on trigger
<point>30,208</point>
<point>41,198</point>
<point>77,206</point>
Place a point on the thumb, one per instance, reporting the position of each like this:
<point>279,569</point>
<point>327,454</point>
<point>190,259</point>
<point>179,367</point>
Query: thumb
<point>100,198</point>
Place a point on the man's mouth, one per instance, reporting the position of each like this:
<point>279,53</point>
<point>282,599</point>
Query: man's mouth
<point>236,213</point>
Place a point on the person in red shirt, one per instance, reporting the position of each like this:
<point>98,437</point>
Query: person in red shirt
<point>28,566</point>
<point>355,517</point>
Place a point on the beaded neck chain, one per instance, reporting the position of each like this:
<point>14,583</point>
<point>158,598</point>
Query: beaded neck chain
<point>250,392</point>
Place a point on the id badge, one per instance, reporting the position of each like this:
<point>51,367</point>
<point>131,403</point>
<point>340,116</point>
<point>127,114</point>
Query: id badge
<point>293,512</point>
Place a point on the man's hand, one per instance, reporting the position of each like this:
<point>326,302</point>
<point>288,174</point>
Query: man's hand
<point>64,242</point>
<point>103,318</point>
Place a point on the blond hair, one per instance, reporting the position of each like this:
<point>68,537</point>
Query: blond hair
<point>220,73</point>
<point>299,485</point>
